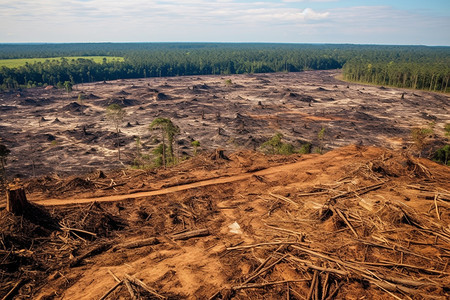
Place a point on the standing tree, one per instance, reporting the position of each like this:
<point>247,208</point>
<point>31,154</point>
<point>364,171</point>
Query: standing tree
<point>115,114</point>
<point>321,137</point>
<point>169,131</point>
<point>68,86</point>
<point>196,145</point>
<point>4,152</point>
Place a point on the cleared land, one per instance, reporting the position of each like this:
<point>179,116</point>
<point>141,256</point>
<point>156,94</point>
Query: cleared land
<point>359,222</point>
<point>14,63</point>
<point>51,131</point>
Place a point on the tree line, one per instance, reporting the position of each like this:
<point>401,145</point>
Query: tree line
<point>424,69</point>
<point>403,66</point>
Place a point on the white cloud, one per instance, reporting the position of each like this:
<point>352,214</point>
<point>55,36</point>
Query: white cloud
<point>219,20</point>
<point>86,17</point>
<point>298,1</point>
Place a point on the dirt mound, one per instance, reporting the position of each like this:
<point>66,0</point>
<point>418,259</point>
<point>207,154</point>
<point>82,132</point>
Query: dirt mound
<point>92,96</point>
<point>74,107</point>
<point>120,101</point>
<point>203,86</point>
<point>162,96</point>
<point>303,98</point>
<point>57,121</point>
<point>123,93</point>
<point>28,101</point>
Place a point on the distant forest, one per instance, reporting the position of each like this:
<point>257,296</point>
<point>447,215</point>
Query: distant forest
<point>418,67</point>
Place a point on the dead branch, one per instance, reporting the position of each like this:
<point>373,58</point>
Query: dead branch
<point>342,216</point>
<point>64,228</point>
<point>301,235</point>
<point>191,234</point>
<point>130,289</point>
<point>13,290</point>
<point>138,282</point>
<point>137,244</point>
<point>96,250</point>
<point>265,244</point>
<point>313,285</point>
<point>114,276</point>
<point>284,199</point>
<point>251,278</point>
<point>111,290</point>
<point>325,286</point>
<point>260,285</point>
<point>358,192</point>
<point>338,286</point>
<point>437,207</point>
<point>113,186</point>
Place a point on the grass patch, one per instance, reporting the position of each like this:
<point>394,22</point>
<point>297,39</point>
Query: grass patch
<point>15,63</point>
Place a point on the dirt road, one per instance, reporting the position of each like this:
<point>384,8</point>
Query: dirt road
<point>173,189</point>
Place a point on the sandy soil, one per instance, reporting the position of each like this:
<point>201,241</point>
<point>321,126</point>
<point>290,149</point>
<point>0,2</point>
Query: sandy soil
<point>374,220</point>
<point>49,131</point>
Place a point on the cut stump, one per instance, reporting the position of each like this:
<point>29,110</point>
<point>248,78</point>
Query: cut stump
<point>16,201</point>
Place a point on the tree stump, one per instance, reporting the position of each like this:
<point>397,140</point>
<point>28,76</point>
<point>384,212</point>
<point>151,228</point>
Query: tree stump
<point>219,154</point>
<point>16,201</point>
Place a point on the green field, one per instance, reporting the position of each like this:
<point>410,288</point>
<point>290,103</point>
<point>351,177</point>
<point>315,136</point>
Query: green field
<point>14,63</point>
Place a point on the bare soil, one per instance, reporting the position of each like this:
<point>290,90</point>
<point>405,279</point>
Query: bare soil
<point>50,131</point>
<point>366,222</point>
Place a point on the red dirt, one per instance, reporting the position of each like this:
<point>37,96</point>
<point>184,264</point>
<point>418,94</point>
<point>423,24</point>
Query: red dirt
<point>286,201</point>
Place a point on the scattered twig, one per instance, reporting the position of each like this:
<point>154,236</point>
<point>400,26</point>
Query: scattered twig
<point>111,290</point>
<point>338,286</point>
<point>64,228</point>
<point>114,276</point>
<point>284,199</point>
<point>437,207</point>
<point>96,250</point>
<point>260,285</point>
<point>301,235</point>
<point>137,244</point>
<point>130,289</point>
<point>143,285</point>
<point>265,244</point>
<point>313,285</point>
<point>359,191</point>
<point>341,214</point>
<point>13,290</point>
<point>251,278</point>
<point>325,286</point>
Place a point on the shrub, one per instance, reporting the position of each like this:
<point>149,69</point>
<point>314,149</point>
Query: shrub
<point>276,146</point>
<point>305,149</point>
<point>420,137</point>
<point>442,155</point>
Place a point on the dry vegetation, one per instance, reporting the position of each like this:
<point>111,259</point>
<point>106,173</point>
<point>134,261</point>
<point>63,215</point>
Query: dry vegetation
<point>355,222</point>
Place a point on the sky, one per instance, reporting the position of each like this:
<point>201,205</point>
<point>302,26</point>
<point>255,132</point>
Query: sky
<point>396,22</point>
